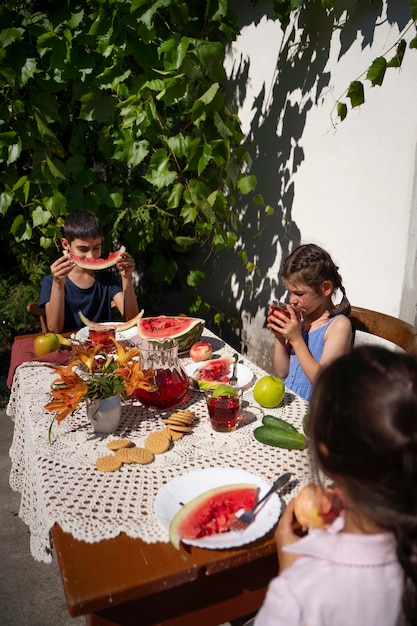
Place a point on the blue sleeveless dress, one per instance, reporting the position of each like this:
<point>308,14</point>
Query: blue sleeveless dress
<point>296,380</point>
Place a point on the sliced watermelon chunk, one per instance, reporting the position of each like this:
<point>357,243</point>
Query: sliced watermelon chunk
<point>120,326</point>
<point>186,330</point>
<point>211,512</point>
<point>98,264</point>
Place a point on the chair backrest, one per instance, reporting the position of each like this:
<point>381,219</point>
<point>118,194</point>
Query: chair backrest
<point>34,309</point>
<point>392,329</point>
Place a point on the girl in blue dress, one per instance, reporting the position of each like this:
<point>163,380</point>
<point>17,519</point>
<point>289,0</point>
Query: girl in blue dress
<point>313,331</point>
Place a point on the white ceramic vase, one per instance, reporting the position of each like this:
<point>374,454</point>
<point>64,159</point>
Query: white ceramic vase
<point>104,414</point>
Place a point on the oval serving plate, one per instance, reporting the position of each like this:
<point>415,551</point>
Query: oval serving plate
<point>184,488</point>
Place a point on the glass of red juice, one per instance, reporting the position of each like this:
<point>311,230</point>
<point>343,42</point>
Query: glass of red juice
<point>103,335</point>
<point>224,410</point>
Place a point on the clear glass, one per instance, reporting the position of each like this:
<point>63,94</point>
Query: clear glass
<point>170,378</point>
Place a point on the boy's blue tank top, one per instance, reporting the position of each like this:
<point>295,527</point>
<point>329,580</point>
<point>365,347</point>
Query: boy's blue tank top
<point>296,380</point>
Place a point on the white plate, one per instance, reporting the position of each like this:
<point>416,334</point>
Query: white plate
<point>184,488</point>
<point>84,333</point>
<point>244,374</point>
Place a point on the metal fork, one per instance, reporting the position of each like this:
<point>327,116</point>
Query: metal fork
<point>244,520</point>
<point>233,378</point>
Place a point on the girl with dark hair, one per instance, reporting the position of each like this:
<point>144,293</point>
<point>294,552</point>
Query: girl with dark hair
<point>313,331</point>
<point>362,431</point>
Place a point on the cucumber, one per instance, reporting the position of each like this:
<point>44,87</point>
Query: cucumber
<point>280,437</point>
<point>277,422</point>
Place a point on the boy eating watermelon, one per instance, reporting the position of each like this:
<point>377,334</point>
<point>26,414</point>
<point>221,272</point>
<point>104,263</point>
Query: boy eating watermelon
<point>74,285</point>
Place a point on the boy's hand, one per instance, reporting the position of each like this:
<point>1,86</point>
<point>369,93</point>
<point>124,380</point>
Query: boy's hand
<point>62,267</point>
<point>284,536</point>
<point>126,265</point>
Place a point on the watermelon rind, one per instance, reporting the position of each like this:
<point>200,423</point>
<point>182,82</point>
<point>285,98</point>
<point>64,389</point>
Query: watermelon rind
<point>165,327</point>
<point>98,264</point>
<point>120,326</point>
<point>185,524</point>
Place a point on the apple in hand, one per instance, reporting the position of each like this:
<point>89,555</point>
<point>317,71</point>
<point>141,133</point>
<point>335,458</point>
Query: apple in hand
<point>317,507</point>
<point>44,344</point>
<point>201,351</point>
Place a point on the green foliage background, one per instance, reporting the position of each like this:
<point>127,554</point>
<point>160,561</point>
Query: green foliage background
<point>117,106</point>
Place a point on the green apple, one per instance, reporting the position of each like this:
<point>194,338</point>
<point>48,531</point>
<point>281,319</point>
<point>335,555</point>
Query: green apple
<point>44,344</point>
<point>269,391</point>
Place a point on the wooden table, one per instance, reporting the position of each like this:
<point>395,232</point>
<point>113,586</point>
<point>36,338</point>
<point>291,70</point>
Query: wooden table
<point>127,580</point>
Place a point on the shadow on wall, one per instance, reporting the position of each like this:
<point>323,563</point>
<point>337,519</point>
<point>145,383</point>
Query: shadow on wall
<point>275,142</point>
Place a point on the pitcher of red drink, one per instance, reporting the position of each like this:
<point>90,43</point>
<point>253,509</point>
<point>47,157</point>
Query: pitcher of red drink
<point>170,378</point>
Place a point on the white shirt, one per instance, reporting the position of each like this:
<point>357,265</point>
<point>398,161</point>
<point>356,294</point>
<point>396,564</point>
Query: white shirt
<point>342,579</point>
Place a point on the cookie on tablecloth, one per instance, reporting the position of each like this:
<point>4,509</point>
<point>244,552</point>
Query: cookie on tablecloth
<point>158,441</point>
<point>118,444</point>
<point>140,455</point>
<point>175,435</point>
<point>108,463</point>
<point>124,455</point>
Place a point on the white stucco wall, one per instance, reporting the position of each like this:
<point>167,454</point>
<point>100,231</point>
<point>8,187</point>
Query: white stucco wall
<point>355,189</point>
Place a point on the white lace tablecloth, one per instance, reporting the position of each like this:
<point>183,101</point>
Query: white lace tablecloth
<point>58,481</point>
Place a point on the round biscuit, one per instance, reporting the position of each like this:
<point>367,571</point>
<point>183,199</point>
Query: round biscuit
<point>175,435</point>
<point>179,428</point>
<point>158,442</point>
<point>140,455</point>
<point>118,444</point>
<point>123,455</point>
<point>108,463</point>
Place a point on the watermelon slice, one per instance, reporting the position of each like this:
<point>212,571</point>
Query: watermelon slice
<point>98,264</point>
<point>186,330</point>
<point>211,373</point>
<point>211,512</point>
<point>120,326</point>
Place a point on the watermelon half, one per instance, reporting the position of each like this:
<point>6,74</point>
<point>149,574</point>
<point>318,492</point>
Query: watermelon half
<point>212,512</point>
<point>186,330</point>
<point>98,264</point>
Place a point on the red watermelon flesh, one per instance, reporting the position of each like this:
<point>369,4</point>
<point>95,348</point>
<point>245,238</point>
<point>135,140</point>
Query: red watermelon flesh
<point>211,512</point>
<point>98,264</point>
<point>186,330</point>
<point>213,370</point>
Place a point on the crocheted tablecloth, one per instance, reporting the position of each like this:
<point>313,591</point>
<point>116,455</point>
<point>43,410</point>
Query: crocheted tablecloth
<point>59,483</point>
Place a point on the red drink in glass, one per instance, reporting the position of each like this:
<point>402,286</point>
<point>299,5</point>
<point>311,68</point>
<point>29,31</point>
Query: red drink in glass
<point>224,412</point>
<point>103,335</point>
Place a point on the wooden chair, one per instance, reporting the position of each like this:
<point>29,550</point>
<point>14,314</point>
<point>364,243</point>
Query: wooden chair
<point>39,312</point>
<point>386,327</point>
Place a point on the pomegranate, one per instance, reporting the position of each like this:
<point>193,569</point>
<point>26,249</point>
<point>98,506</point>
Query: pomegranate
<point>201,351</point>
<point>317,507</point>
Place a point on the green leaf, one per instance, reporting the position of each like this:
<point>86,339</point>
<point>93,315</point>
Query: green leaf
<point>56,168</point>
<point>6,199</point>
<point>185,242</point>
<point>342,110</point>
<point>195,278</point>
<point>28,70</point>
<point>376,72</point>
<point>174,198</point>
<point>160,175</point>
<point>246,184</point>
<point>413,42</point>
<point>205,158</point>
<point>356,93</point>
<point>413,8</point>
<point>397,59</point>
<point>10,35</point>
